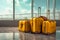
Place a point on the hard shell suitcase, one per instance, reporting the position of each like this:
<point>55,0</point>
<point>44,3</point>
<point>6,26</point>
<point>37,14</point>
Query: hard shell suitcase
<point>49,27</point>
<point>24,26</point>
<point>42,18</point>
<point>35,25</point>
<point>53,24</point>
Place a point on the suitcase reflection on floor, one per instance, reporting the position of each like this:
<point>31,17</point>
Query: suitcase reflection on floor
<point>49,37</point>
<point>29,36</point>
<point>25,36</point>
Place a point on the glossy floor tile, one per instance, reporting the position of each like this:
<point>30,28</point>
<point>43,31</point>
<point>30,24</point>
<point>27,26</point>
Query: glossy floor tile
<point>15,29</point>
<point>6,36</point>
<point>26,36</point>
<point>12,33</point>
<point>58,35</point>
<point>29,36</point>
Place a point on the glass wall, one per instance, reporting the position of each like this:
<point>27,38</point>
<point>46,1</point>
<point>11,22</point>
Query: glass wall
<point>6,9</point>
<point>23,9</point>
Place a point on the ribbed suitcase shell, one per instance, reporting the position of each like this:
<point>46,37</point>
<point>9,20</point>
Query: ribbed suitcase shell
<point>35,25</point>
<point>53,24</point>
<point>24,26</point>
<point>49,27</point>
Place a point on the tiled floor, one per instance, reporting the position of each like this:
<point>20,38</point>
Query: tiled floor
<point>29,36</point>
<point>8,29</point>
<point>25,36</point>
<point>14,29</point>
<point>58,35</point>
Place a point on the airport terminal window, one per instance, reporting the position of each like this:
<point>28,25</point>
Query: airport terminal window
<point>43,6</point>
<point>39,11</point>
<point>6,9</point>
<point>22,9</point>
<point>57,10</point>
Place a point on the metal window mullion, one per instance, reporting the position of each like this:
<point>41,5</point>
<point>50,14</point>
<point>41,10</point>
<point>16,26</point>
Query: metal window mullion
<point>48,9</point>
<point>13,9</point>
<point>32,9</point>
<point>54,6</point>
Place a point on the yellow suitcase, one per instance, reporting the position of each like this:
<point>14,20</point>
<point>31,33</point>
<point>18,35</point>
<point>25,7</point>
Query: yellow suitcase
<point>53,24</point>
<point>42,18</point>
<point>49,27</point>
<point>24,26</point>
<point>35,25</point>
